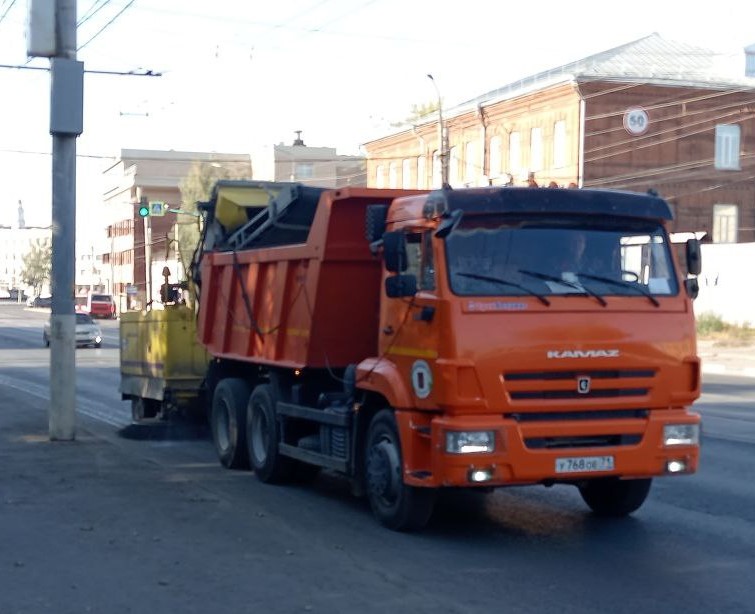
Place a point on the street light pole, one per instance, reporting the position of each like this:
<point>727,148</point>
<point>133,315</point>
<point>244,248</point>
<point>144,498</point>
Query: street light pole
<point>442,149</point>
<point>66,124</point>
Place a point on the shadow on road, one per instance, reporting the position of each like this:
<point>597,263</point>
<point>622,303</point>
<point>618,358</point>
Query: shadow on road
<point>173,430</point>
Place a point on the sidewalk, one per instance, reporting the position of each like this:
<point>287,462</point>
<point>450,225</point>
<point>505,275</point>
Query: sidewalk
<point>722,359</point>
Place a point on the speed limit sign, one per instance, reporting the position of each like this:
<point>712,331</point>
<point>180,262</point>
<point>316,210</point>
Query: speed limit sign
<point>636,121</point>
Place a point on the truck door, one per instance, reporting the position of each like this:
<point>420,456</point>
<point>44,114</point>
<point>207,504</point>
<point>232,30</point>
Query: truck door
<point>409,328</point>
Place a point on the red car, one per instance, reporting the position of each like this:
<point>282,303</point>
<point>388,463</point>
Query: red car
<point>101,306</point>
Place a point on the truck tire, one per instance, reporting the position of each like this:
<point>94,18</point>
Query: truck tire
<point>613,497</point>
<point>142,409</point>
<point>263,435</point>
<point>228,422</point>
<point>395,505</point>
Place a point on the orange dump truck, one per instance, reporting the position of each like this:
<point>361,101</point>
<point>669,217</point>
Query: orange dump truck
<point>415,341</point>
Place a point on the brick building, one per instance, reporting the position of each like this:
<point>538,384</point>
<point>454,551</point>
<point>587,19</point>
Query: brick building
<point>651,114</point>
<point>156,176</point>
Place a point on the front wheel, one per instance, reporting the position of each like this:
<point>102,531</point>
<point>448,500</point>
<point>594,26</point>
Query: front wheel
<point>614,497</point>
<point>394,504</point>
<point>228,422</point>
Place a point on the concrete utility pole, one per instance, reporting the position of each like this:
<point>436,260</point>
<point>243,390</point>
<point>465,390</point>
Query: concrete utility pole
<point>442,137</point>
<point>66,124</point>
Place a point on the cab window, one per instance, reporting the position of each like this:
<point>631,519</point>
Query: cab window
<point>420,259</point>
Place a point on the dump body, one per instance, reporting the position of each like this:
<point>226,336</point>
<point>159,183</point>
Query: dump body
<point>310,304</point>
<point>160,356</point>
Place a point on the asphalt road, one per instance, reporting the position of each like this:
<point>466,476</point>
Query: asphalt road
<point>159,526</point>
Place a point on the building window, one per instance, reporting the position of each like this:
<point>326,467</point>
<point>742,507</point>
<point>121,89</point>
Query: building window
<point>421,173</point>
<point>559,144</point>
<point>470,164</point>
<point>392,175</point>
<point>536,149</point>
<point>406,174</point>
<point>495,157</point>
<point>379,179</point>
<point>515,153</point>
<point>303,170</point>
<point>436,179</point>
<point>727,147</point>
<point>725,218</point>
<point>453,166</point>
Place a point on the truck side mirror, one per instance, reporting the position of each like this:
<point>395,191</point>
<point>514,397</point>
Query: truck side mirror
<point>399,286</point>
<point>694,257</point>
<point>449,223</point>
<point>394,251</point>
<point>692,287</point>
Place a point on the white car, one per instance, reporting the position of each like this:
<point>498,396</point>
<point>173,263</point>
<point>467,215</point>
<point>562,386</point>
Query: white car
<point>88,333</point>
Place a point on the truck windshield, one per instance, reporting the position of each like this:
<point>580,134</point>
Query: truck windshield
<point>495,255</point>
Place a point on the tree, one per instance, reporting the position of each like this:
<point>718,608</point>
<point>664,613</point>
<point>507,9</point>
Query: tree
<point>197,187</point>
<point>418,111</point>
<point>37,265</point>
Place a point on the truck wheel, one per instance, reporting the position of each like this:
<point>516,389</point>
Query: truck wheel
<point>395,505</point>
<point>228,422</point>
<point>263,435</point>
<point>614,497</point>
<point>142,409</point>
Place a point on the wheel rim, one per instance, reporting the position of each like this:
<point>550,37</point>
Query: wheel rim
<point>260,434</point>
<point>223,427</point>
<point>383,470</point>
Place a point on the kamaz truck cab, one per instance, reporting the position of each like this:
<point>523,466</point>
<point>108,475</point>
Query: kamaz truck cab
<point>531,336</point>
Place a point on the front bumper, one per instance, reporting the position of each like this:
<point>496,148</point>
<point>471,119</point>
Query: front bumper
<point>83,340</point>
<point>526,452</point>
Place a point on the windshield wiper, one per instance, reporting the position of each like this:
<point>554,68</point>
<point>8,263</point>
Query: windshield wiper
<point>623,284</point>
<point>571,284</point>
<point>505,282</point>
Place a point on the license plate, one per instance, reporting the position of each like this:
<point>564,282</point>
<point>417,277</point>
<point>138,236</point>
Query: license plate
<point>584,464</point>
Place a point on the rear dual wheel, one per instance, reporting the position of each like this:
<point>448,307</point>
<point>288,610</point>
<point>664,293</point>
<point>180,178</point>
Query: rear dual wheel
<point>263,435</point>
<point>228,422</point>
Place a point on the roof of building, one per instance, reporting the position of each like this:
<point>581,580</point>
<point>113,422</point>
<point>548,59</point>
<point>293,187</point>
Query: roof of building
<point>651,59</point>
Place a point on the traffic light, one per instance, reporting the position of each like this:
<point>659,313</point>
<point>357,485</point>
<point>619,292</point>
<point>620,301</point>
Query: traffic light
<point>143,207</point>
<point>153,208</point>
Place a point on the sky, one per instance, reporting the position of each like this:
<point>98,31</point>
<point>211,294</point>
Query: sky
<point>239,74</point>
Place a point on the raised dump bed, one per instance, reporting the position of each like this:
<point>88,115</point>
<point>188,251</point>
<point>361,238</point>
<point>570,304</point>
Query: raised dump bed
<point>292,282</point>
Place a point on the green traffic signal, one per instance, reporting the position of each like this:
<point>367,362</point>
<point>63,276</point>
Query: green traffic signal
<point>144,211</point>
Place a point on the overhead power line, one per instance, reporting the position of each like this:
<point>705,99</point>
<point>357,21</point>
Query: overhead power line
<point>10,4</point>
<point>93,10</point>
<point>129,73</point>
<point>103,28</point>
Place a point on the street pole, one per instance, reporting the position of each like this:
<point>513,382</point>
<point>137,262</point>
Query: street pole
<point>66,124</point>
<point>148,262</point>
<point>442,136</point>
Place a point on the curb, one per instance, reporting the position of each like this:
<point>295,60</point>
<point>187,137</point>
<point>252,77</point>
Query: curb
<point>722,369</point>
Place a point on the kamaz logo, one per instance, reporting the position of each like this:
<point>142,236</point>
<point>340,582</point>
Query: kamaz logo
<point>583,353</point>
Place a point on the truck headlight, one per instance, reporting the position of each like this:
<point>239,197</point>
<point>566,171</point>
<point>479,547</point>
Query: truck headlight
<point>681,434</point>
<point>470,442</point>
